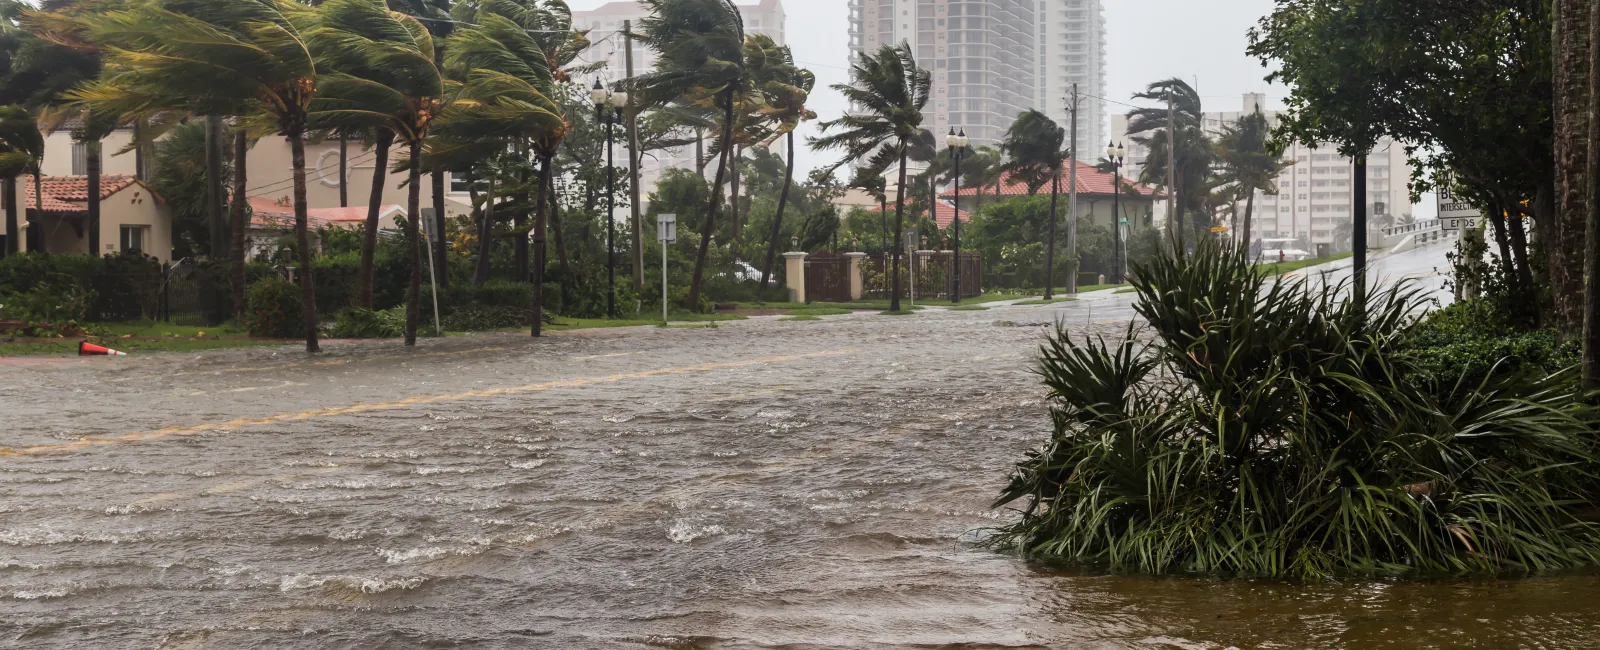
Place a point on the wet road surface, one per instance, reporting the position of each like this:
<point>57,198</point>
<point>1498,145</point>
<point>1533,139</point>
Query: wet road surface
<point>763,484</point>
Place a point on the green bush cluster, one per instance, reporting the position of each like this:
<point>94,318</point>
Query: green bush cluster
<point>1472,340</point>
<point>50,288</point>
<point>1272,429</point>
<point>360,323</point>
<point>477,318</point>
<point>274,309</point>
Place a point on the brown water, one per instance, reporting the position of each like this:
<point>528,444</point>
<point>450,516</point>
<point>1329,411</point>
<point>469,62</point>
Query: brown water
<point>759,485</point>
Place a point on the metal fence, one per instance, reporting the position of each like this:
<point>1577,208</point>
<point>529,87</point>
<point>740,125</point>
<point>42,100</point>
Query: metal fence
<point>922,277</point>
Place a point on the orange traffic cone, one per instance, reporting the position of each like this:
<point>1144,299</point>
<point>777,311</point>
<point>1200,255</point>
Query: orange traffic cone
<point>87,349</point>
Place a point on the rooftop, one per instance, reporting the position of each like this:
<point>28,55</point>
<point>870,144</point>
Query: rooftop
<point>70,194</point>
<point>1091,181</point>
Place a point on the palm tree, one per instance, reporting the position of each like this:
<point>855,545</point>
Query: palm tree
<point>1036,145</point>
<point>980,169</point>
<point>1192,163</point>
<point>787,88</point>
<point>700,59</point>
<point>890,92</point>
<point>1247,165</point>
<point>509,97</point>
<point>240,57</point>
<point>380,69</point>
<point>21,148</point>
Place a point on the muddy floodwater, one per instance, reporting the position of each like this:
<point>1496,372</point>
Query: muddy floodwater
<point>763,484</point>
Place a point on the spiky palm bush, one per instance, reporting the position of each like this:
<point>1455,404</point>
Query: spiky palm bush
<point>1271,429</point>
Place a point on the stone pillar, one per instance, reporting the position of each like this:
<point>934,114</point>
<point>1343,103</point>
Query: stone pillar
<point>794,273</point>
<point>856,287</point>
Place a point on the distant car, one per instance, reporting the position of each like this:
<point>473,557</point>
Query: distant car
<point>743,272</point>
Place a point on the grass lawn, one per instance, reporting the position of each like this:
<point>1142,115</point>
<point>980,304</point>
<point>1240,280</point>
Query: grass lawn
<point>1096,287</point>
<point>969,308</point>
<point>1126,290</point>
<point>859,305</point>
<point>1280,268</point>
<point>799,318</point>
<point>142,336</point>
<point>820,311</point>
<point>1045,302</point>
<point>901,312</point>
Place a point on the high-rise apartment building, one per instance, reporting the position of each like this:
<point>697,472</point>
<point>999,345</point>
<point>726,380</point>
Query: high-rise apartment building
<point>605,23</point>
<point>1315,193</point>
<point>982,54</point>
<point>1072,50</point>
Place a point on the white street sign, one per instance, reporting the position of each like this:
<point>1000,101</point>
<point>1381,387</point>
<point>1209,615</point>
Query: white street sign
<point>667,228</point>
<point>1452,206</point>
<point>1461,223</point>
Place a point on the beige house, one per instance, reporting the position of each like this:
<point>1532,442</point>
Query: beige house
<point>132,217</point>
<point>270,172</point>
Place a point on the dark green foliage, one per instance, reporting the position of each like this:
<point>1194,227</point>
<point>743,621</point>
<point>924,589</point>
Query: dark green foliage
<point>502,293</point>
<point>359,323</point>
<point>1272,429</point>
<point>78,287</point>
<point>1473,339</point>
<point>274,310</point>
<point>477,318</point>
<point>179,176</point>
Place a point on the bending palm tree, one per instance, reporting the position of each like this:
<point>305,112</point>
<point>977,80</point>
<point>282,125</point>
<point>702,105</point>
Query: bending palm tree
<point>1035,143</point>
<point>1192,162</point>
<point>890,91</point>
<point>700,59</point>
<point>1247,164</point>
<point>240,57</point>
<point>979,170</point>
<point>787,87</point>
<point>508,97</point>
<point>381,71</point>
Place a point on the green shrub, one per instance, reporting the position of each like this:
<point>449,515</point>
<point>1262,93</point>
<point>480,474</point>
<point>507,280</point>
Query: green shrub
<point>477,318</point>
<point>503,293</point>
<point>359,323</point>
<point>1471,340</point>
<point>1272,429</point>
<point>275,309</point>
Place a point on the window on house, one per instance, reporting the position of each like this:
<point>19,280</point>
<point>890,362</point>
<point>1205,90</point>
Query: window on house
<point>80,158</point>
<point>133,238</point>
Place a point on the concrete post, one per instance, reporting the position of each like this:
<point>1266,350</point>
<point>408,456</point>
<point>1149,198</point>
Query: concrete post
<point>794,272</point>
<point>856,285</point>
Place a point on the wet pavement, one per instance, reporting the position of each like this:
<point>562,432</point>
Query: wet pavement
<point>762,484</point>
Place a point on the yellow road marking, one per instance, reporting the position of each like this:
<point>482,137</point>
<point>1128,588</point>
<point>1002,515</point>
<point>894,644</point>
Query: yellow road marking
<point>239,423</point>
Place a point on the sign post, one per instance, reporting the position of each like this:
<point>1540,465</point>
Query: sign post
<point>428,221</point>
<point>666,233</point>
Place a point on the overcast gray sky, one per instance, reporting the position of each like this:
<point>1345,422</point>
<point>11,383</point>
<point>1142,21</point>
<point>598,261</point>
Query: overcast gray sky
<point>1202,41</point>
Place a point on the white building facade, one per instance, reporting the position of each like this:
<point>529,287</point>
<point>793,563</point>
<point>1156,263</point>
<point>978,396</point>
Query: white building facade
<point>1072,50</point>
<point>1315,191</point>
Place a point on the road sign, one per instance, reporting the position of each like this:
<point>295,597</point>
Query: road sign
<point>667,228</point>
<point>1452,206</point>
<point>1460,223</point>
<point>1123,221</point>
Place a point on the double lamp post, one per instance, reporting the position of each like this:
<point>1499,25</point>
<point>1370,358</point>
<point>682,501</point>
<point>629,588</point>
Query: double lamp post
<point>1115,153</point>
<point>616,100</point>
<point>958,145</point>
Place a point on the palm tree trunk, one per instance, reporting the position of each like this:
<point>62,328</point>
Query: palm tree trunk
<point>716,202</point>
<point>733,195</point>
<point>1050,243</point>
<point>441,244</point>
<point>414,241</point>
<point>12,228</point>
<point>215,194</point>
<point>539,252</point>
<point>344,174</point>
<point>555,223</point>
<point>369,235</point>
<point>1571,109</point>
<point>308,292</point>
<point>485,237</point>
<point>237,218</point>
<point>1591,240</point>
<point>777,219</point>
<point>92,166</point>
<point>1249,208</point>
<point>899,215</point>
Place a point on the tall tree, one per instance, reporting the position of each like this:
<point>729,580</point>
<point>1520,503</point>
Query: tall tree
<point>1037,149</point>
<point>241,57</point>
<point>1248,165</point>
<point>1194,156</point>
<point>890,91</point>
<point>700,58</point>
<point>785,87</point>
<point>379,67</point>
<point>21,148</point>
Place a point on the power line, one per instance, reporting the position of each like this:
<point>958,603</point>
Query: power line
<point>275,185</point>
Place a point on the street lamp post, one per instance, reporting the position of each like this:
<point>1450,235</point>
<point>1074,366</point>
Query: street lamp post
<point>958,144</point>
<point>616,99</point>
<point>1115,153</point>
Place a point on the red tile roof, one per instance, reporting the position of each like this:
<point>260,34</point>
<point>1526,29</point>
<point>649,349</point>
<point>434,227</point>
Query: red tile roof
<point>70,194</point>
<point>1090,181</point>
<point>267,212</point>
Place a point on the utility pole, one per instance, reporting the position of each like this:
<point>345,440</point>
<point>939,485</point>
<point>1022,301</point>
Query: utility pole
<point>1072,200</point>
<point>633,166</point>
<point>1173,231</point>
<point>1358,233</point>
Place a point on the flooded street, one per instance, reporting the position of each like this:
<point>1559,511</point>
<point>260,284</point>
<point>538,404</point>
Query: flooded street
<point>762,484</point>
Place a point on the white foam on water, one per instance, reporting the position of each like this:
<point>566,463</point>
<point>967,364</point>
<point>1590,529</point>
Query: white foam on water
<point>300,581</point>
<point>684,532</point>
<point>526,465</point>
<point>431,470</point>
<point>41,594</point>
<point>426,553</point>
<point>617,419</point>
